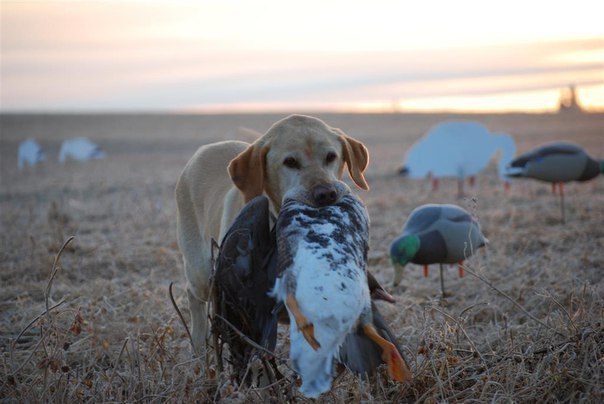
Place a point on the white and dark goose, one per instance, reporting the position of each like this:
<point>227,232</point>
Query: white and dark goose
<point>556,163</point>
<point>323,253</point>
<point>436,234</point>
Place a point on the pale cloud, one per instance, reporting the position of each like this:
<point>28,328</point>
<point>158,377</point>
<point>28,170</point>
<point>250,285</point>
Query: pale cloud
<point>183,55</point>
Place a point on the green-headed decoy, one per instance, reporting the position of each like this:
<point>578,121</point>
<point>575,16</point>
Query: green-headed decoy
<point>436,234</point>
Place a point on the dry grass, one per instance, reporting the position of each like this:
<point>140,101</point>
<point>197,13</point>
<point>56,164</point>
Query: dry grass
<point>99,325</point>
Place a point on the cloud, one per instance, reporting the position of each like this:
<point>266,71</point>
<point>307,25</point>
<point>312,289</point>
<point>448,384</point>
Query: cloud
<point>115,55</point>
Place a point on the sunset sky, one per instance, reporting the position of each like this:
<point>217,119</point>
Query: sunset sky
<point>234,56</point>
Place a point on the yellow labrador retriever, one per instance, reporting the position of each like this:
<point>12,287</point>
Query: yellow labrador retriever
<point>297,152</point>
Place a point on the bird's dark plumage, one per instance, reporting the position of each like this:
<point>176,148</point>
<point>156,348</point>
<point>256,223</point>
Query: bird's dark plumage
<point>556,162</point>
<point>542,152</point>
<point>361,355</point>
<point>245,270</point>
<point>437,250</point>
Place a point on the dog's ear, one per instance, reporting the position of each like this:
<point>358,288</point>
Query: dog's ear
<point>356,158</point>
<point>248,169</point>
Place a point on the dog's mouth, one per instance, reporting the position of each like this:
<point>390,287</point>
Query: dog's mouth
<point>320,195</point>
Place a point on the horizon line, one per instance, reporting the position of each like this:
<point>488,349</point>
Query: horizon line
<point>288,110</point>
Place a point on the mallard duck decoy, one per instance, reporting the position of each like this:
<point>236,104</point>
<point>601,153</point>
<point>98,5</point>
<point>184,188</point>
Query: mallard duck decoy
<point>436,234</point>
<point>323,253</point>
<point>459,149</point>
<point>556,163</point>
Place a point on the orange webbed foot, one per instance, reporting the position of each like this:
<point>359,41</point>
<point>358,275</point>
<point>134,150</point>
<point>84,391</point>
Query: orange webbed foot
<point>397,369</point>
<point>308,330</point>
<point>305,327</point>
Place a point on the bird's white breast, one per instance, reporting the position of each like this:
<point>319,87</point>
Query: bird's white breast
<point>323,252</point>
<point>328,248</point>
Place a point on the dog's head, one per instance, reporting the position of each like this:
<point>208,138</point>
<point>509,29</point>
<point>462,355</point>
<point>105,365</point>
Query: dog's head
<point>303,153</point>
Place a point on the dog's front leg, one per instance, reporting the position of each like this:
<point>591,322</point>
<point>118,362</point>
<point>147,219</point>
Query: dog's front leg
<point>199,323</point>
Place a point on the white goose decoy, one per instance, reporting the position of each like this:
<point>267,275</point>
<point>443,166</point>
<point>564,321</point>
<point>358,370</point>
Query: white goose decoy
<point>436,234</point>
<point>556,163</point>
<point>30,152</point>
<point>323,252</point>
<point>459,149</point>
<point>81,149</point>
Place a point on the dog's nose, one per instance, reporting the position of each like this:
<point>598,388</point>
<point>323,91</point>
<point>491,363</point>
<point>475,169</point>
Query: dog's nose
<point>324,195</point>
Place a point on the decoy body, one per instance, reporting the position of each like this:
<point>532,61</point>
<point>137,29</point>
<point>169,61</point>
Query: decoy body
<point>81,149</point>
<point>30,152</point>
<point>436,234</point>
<point>556,163</point>
<point>460,149</point>
<point>323,252</point>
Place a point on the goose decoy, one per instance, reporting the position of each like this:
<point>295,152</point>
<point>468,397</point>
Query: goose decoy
<point>323,253</point>
<point>436,234</point>
<point>246,271</point>
<point>30,152</point>
<point>460,149</point>
<point>81,149</point>
<point>556,163</point>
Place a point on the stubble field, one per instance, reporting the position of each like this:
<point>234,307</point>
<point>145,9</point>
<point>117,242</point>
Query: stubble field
<point>525,323</point>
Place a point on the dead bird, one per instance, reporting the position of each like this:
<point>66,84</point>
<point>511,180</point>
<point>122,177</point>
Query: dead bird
<point>245,272</point>
<point>323,253</point>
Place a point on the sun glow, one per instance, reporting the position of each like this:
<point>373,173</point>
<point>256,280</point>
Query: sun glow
<point>241,55</point>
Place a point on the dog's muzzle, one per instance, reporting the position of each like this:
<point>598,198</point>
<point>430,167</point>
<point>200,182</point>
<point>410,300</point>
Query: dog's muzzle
<point>324,194</point>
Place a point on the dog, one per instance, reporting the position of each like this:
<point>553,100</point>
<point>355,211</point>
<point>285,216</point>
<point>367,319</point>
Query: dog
<point>297,152</point>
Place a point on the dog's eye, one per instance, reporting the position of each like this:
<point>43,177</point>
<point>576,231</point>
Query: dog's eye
<point>291,162</point>
<point>331,156</point>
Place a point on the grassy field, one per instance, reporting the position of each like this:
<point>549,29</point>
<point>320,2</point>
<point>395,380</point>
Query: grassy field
<point>525,323</point>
